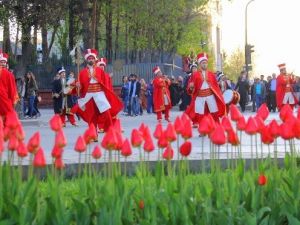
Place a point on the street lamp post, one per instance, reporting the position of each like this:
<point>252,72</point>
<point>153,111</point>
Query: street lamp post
<point>246,34</point>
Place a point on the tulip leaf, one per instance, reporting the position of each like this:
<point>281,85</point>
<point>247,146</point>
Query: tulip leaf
<point>293,220</point>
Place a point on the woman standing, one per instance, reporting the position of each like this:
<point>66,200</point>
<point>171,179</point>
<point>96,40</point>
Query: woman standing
<point>242,87</point>
<point>124,93</point>
<point>31,89</point>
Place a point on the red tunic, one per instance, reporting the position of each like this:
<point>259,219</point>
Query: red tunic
<point>160,88</point>
<point>197,79</point>
<point>8,92</point>
<point>281,83</point>
<point>91,109</point>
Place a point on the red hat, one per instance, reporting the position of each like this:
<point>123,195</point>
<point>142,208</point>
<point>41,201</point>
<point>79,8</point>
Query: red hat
<point>101,61</point>
<point>156,69</point>
<point>201,57</point>
<point>90,52</point>
<point>281,66</point>
<point>3,57</point>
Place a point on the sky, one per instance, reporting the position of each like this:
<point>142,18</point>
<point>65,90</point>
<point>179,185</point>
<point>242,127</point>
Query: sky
<point>273,28</point>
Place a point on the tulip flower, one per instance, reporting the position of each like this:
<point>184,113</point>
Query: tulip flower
<point>80,145</point>
<point>285,112</point>
<point>22,150</point>
<point>20,134</point>
<point>218,135</point>
<point>97,154</point>
<point>262,180</point>
<point>55,123</point>
<point>149,145</point>
<point>34,143</point>
<point>90,134</point>
<point>205,126</point>
<point>235,113</point>
<point>185,118</point>
<point>39,158</point>
<point>117,126</point>
<point>233,138</point>
<point>266,136</point>
<point>141,204</point>
<point>297,128</point>
<point>12,120</point>
<point>170,133</point>
<point>259,122</point>
<point>162,141</point>
<point>187,130</point>
<point>178,125</point>
<point>60,139</point>
<point>147,133</point>
<point>142,128</point>
<point>13,143</point>
<point>136,138</point>
<point>56,151</point>
<point>226,123</point>
<point>241,123</point>
<point>126,148</point>
<point>274,128</point>
<point>158,131</point>
<point>120,141</point>
<point>251,126</point>
<point>263,111</point>
<point>185,149</point>
<point>168,153</point>
<point>110,141</point>
<point>286,131</point>
<point>59,163</point>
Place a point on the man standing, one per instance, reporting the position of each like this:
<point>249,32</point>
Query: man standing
<point>284,89</point>
<point>206,94</point>
<point>242,87</point>
<point>97,101</point>
<point>8,89</point>
<point>134,88</point>
<point>161,95</point>
<point>272,93</point>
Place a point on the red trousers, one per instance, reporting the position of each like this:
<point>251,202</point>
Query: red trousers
<point>166,111</point>
<point>71,118</point>
<point>104,120</point>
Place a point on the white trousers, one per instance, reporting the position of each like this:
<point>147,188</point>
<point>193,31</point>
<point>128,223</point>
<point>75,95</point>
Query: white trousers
<point>288,98</point>
<point>99,98</point>
<point>209,100</point>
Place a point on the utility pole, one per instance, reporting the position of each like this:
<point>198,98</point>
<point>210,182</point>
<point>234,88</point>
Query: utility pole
<point>248,49</point>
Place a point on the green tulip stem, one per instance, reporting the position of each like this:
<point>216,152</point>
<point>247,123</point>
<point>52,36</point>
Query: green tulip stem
<point>202,149</point>
<point>251,144</point>
<point>79,164</point>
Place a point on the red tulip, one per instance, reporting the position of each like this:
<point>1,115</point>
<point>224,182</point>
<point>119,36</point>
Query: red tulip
<point>147,133</point>
<point>126,148</point>
<point>142,128</point>
<point>235,113</point>
<point>274,128</point>
<point>218,135</point>
<point>262,180</point>
<point>226,123</point>
<point>185,118</point>
<point>187,130</point>
<point>120,141</point>
<point>60,139</point>
<point>162,141</point>
<point>55,123</point>
<point>110,141</point>
<point>259,122</point>
<point>20,133</point>
<point>251,126</point>
<point>233,138</point>
<point>266,136</point>
<point>297,128</point>
<point>34,143</point>
<point>158,131</point>
<point>22,150</point>
<point>136,138</point>
<point>285,112</point>
<point>178,125</point>
<point>80,145</point>
<point>168,153</point>
<point>39,158</point>
<point>241,123</point>
<point>149,145</point>
<point>263,111</point>
<point>13,143</point>
<point>59,163</point>
<point>141,204</point>
<point>205,126</point>
<point>12,120</point>
<point>97,154</point>
<point>286,131</point>
<point>90,134</point>
<point>56,151</point>
<point>186,148</point>
<point>170,133</point>
<point>117,126</point>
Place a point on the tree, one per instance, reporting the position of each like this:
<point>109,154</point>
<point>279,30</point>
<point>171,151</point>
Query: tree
<point>233,64</point>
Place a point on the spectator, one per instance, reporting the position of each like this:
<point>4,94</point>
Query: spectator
<point>125,93</point>
<point>297,88</point>
<point>259,92</point>
<point>242,87</point>
<point>149,94</point>
<point>133,96</point>
<point>143,98</point>
<point>272,93</point>
<point>31,89</point>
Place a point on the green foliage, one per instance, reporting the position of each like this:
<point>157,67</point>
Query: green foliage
<point>234,63</point>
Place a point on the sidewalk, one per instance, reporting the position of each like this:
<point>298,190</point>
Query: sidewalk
<point>128,123</point>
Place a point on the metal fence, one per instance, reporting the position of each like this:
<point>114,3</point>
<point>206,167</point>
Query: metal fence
<point>45,74</point>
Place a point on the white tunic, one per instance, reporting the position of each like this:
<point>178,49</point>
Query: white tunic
<point>209,100</point>
<point>99,98</point>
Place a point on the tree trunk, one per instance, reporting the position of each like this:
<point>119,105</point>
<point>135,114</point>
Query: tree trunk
<point>93,28</point>
<point>45,50</point>
<point>86,32</point>
<point>98,34</point>
<point>26,45</point>
<point>117,35</point>
<point>6,37</point>
<point>109,31</point>
<point>17,41</point>
<point>126,42</point>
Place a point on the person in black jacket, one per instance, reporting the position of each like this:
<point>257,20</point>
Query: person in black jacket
<point>242,87</point>
<point>134,96</point>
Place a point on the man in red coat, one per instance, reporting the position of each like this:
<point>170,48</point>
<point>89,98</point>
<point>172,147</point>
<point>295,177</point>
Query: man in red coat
<point>8,89</point>
<point>284,88</point>
<point>206,94</point>
<point>161,95</point>
<point>97,101</point>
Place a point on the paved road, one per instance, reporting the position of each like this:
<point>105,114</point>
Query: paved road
<point>128,123</point>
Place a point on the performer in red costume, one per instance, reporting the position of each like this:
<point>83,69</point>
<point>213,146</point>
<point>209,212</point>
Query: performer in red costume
<point>97,101</point>
<point>284,88</point>
<point>206,94</point>
<point>8,89</point>
<point>161,95</point>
